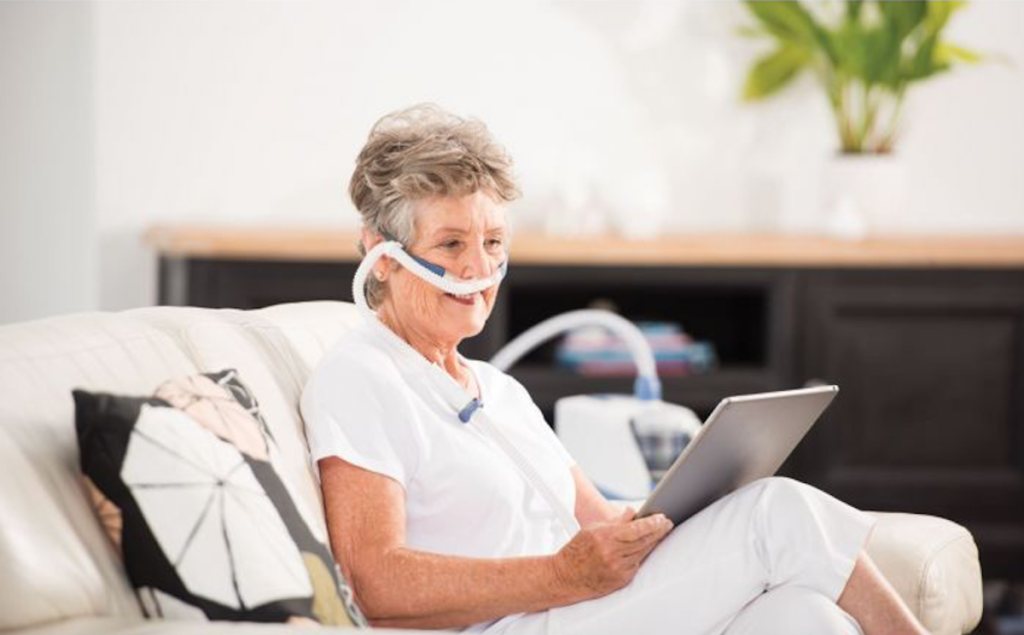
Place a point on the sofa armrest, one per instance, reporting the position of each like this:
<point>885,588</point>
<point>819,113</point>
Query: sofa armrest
<point>933,564</point>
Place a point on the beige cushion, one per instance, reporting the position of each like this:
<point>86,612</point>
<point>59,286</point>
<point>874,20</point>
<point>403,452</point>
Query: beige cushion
<point>274,349</point>
<point>57,562</point>
<point>310,328</point>
<point>933,564</point>
<point>124,626</point>
<point>244,341</point>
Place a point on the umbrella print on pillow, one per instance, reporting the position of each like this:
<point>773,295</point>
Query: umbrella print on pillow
<point>209,514</point>
<point>183,483</point>
<point>225,406</point>
<point>215,402</point>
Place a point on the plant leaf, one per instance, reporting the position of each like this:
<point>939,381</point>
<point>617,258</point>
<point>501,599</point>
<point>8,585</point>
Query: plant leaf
<point>792,24</point>
<point>882,56</point>
<point>788,21</point>
<point>903,17</point>
<point>938,14</point>
<point>923,63</point>
<point>853,8</point>
<point>849,43</point>
<point>773,71</point>
<point>748,31</point>
<point>947,53</point>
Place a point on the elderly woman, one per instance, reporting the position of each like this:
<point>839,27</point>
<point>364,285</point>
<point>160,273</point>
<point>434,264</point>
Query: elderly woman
<point>436,525</point>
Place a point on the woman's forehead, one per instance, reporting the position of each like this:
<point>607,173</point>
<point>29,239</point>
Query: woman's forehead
<point>466,214</point>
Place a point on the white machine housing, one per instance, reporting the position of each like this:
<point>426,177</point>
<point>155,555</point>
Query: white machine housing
<point>598,431</point>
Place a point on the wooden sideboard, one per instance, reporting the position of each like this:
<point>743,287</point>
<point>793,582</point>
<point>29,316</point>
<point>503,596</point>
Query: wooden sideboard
<point>924,335</point>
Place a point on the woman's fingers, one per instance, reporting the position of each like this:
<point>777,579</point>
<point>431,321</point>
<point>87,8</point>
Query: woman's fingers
<point>655,526</point>
<point>641,549</point>
<point>638,551</point>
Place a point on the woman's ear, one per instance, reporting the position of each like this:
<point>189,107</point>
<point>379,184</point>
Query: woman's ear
<point>371,239</point>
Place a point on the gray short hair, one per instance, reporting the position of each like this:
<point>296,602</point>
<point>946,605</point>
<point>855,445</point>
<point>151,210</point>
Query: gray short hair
<point>421,152</point>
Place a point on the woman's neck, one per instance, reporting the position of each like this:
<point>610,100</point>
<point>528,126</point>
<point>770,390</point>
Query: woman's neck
<point>444,354</point>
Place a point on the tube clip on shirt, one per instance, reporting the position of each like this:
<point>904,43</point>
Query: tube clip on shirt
<point>467,413</point>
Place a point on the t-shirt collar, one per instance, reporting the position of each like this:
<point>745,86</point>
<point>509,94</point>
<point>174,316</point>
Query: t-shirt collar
<point>449,389</point>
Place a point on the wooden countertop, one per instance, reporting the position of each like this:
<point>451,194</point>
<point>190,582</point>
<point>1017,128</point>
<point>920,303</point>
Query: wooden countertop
<point>712,250</point>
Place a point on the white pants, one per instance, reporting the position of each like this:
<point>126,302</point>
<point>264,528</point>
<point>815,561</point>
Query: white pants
<point>772,557</point>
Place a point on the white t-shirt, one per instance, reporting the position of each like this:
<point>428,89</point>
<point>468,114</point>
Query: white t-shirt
<point>377,403</point>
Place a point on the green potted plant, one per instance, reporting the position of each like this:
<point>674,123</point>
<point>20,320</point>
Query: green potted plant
<point>865,56</point>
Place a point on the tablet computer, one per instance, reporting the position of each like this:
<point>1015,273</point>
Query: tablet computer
<point>746,438</point>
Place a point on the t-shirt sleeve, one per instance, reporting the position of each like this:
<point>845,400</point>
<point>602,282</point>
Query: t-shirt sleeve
<point>360,417</point>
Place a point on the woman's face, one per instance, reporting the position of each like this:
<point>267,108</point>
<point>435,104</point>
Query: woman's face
<point>468,237</point>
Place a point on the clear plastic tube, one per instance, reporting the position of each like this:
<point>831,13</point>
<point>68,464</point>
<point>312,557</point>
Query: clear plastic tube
<point>647,385</point>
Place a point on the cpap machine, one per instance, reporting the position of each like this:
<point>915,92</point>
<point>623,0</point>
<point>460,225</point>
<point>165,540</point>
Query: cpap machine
<point>623,443</point>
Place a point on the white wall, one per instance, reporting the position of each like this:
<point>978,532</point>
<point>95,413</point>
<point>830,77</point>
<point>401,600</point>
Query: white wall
<point>47,180</point>
<point>253,113</point>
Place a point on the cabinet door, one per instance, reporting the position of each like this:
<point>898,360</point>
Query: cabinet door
<point>930,414</point>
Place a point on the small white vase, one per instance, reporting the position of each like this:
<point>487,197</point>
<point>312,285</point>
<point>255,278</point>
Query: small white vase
<point>864,194</point>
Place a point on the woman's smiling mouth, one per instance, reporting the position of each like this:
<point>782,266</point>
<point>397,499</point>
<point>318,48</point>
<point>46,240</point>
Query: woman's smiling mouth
<point>466,300</point>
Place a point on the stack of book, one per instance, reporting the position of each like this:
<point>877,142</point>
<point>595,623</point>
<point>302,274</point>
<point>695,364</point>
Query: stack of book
<point>597,351</point>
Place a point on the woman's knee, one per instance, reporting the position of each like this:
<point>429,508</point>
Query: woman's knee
<point>775,494</point>
<point>793,611</point>
<point>805,536</point>
<point>786,496</point>
<point>784,484</point>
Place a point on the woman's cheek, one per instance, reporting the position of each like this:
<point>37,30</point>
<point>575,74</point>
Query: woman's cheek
<point>415,300</point>
<point>426,301</point>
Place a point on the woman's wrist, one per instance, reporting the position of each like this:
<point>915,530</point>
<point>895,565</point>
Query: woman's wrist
<point>564,585</point>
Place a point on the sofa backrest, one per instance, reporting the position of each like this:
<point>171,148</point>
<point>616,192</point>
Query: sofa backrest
<point>57,561</point>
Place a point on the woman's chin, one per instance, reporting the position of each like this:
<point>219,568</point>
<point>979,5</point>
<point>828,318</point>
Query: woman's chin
<point>465,325</point>
<point>470,328</point>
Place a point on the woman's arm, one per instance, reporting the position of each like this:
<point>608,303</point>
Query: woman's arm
<point>401,587</point>
<point>591,506</point>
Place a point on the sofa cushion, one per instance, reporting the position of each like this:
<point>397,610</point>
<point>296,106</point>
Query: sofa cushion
<point>933,564</point>
<point>46,517</point>
<point>258,349</point>
<point>57,562</point>
<point>136,626</point>
<point>310,329</point>
<point>275,350</point>
<point>185,485</point>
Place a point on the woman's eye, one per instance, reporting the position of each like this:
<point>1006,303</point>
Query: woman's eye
<point>451,244</point>
<point>494,243</point>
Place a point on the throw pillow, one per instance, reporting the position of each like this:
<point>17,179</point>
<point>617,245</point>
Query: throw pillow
<point>185,486</point>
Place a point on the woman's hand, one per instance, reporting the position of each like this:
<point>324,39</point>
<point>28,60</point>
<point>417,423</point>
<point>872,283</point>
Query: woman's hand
<point>605,556</point>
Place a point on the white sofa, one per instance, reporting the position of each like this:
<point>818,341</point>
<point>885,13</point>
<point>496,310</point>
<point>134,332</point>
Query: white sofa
<point>60,575</point>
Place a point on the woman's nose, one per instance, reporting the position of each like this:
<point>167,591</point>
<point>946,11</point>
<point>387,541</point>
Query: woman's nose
<point>477,263</point>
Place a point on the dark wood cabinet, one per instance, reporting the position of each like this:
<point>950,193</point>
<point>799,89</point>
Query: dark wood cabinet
<point>929,360</point>
<point>930,415</point>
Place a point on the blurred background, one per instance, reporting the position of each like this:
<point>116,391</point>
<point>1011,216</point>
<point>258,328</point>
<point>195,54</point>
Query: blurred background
<point>119,115</point>
<point>701,162</point>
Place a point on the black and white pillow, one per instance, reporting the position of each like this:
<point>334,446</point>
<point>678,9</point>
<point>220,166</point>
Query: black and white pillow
<point>185,487</point>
